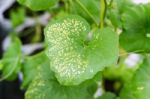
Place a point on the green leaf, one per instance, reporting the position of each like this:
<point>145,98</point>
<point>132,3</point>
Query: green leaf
<point>123,73</point>
<point>46,86</point>
<point>1,65</point>
<point>11,60</point>
<point>108,95</point>
<point>115,11</point>
<point>114,17</point>
<point>136,29</point>
<point>126,92</point>
<point>122,5</point>
<point>94,9</point>
<point>17,17</point>
<point>138,87</point>
<point>38,5</point>
<point>73,58</point>
<point>30,66</point>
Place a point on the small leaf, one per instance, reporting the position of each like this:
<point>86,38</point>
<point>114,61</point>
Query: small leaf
<point>73,59</point>
<point>46,86</point>
<point>37,5</point>
<point>11,60</point>
<point>138,87</point>
<point>135,37</point>
<point>30,66</point>
<point>17,17</point>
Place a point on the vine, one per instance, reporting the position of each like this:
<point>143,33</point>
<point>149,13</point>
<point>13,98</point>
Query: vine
<point>102,12</point>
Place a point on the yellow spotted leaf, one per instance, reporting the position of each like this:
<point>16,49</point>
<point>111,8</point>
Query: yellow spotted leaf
<point>75,59</point>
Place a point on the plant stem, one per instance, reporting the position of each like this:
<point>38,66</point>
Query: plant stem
<point>38,31</point>
<point>110,4</point>
<point>85,9</point>
<point>102,12</point>
<point>70,2</point>
<point>66,6</point>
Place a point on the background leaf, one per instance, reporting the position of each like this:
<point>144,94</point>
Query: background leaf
<point>136,29</point>
<point>17,17</point>
<point>94,9</point>
<point>115,11</point>
<point>138,87</point>
<point>108,95</point>
<point>12,60</point>
<point>37,5</point>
